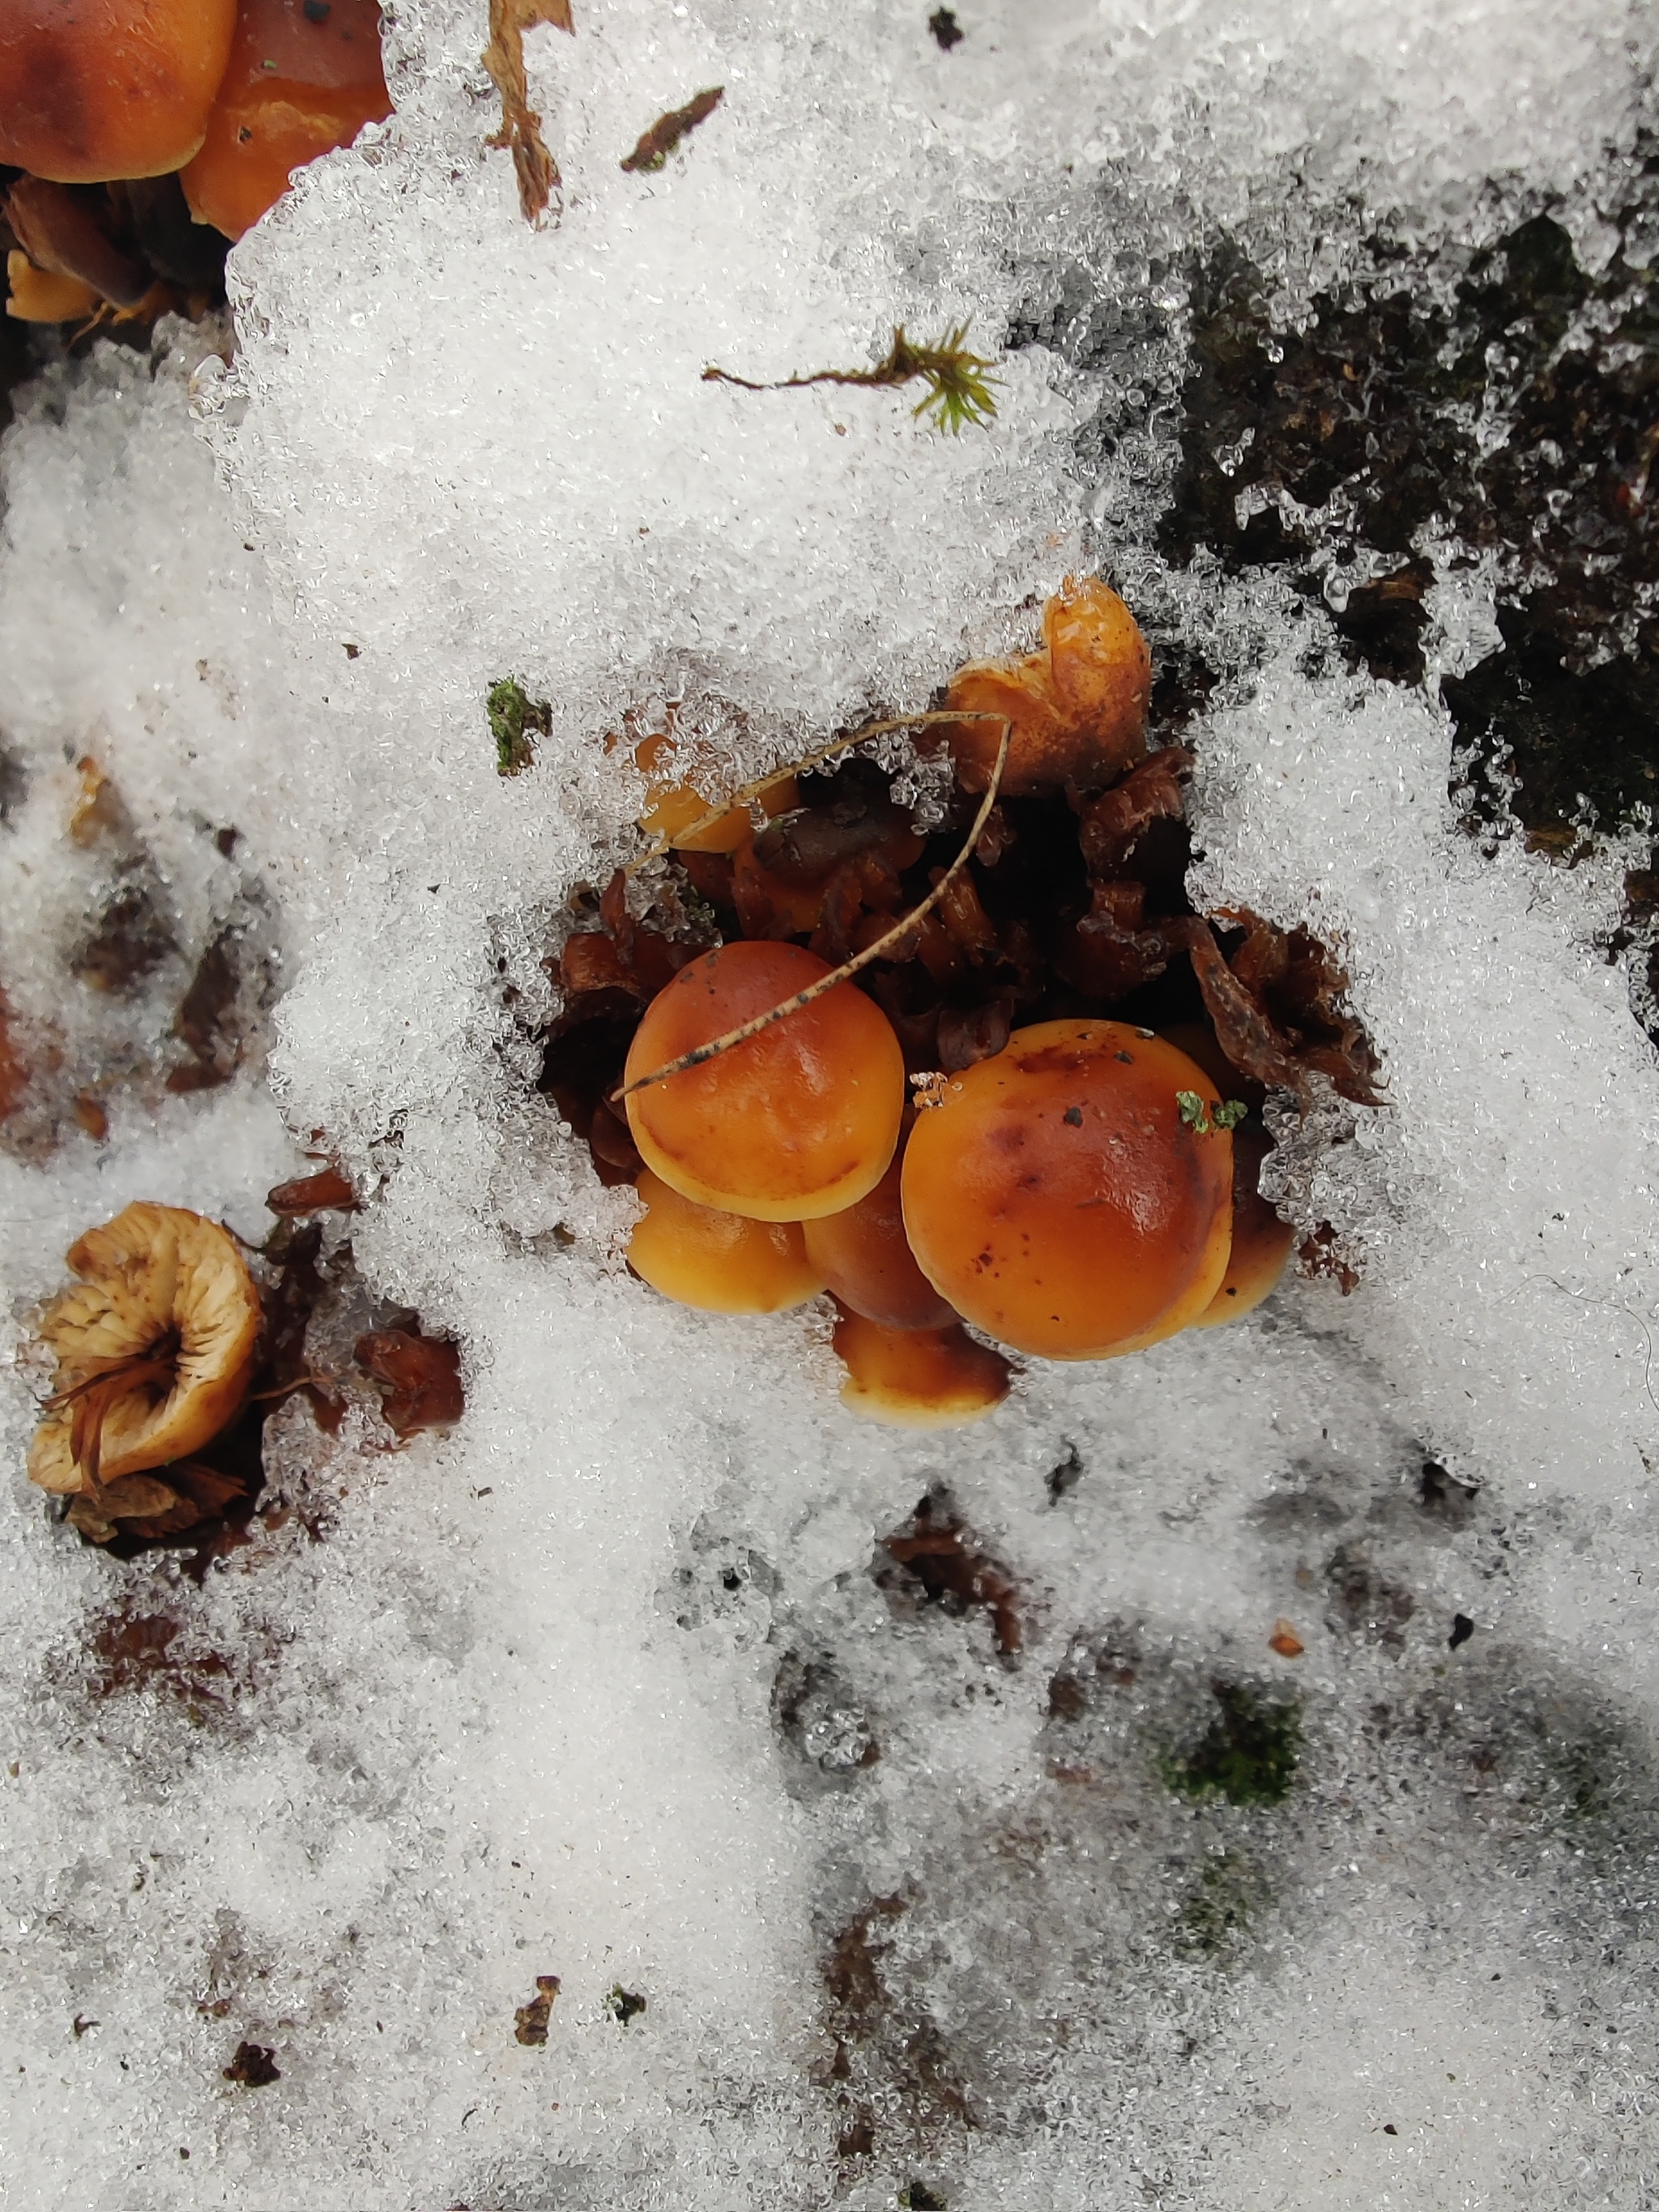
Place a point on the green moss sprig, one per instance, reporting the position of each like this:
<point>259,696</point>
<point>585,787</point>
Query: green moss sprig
<point>1203,1119</point>
<point>959,385</point>
<point>515,721</point>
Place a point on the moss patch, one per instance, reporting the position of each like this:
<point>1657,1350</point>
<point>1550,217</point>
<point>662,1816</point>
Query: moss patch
<point>1248,1754</point>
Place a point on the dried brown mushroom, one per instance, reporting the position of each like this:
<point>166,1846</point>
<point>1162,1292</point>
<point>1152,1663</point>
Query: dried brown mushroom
<point>155,1350</point>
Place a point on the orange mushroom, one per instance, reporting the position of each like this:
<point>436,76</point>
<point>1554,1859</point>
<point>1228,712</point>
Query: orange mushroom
<point>303,77</point>
<point>1261,1241</point>
<point>918,1378</point>
<point>672,808</point>
<point>865,1258</point>
<point>797,1122</point>
<point>93,89</point>
<point>1060,1199</point>
<point>721,1263</point>
<point>1077,707</point>
<point>42,296</point>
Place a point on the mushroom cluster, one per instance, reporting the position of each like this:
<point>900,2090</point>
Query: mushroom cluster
<point>148,132</point>
<point>1015,1089</point>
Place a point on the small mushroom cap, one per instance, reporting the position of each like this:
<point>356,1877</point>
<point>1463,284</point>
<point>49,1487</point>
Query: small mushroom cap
<point>720,1262</point>
<point>168,1316</point>
<point>672,808</point>
<point>96,90</point>
<point>1077,707</point>
<point>800,1120</point>
<point>40,296</point>
<point>866,1260</point>
<point>918,1378</point>
<point>1060,1202</point>
<point>295,86</point>
<point>1261,1243</point>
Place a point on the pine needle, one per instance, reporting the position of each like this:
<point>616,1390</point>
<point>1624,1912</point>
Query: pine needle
<point>959,387</point>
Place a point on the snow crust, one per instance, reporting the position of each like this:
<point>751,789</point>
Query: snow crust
<point>587,1688</point>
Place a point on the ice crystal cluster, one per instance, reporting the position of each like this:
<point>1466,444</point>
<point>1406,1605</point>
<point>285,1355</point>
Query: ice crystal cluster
<point>849,1900</point>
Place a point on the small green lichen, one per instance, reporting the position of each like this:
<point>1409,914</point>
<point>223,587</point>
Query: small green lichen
<point>623,2005</point>
<point>1202,1119</point>
<point>1248,1754</point>
<point>513,716</point>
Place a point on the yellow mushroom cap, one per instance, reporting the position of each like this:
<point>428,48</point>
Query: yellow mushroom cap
<point>155,1346</point>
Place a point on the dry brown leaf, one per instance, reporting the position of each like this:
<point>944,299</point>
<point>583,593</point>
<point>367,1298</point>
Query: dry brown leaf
<point>136,1496</point>
<point>421,1376</point>
<point>327,1191</point>
<point>656,144</point>
<point>530,2020</point>
<point>13,1068</point>
<point>521,126</point>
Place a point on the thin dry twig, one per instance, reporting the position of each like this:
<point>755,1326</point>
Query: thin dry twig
<point>521,126</point>
<point>745,792</point>
<point>716,1046</point>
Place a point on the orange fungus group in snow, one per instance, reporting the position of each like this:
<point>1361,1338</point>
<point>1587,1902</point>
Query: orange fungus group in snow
<point>926,1084</point>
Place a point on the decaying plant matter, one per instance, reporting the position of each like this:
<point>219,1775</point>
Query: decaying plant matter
<point>521,126</point>
<point>170,1355</point>
<point>656,144</point>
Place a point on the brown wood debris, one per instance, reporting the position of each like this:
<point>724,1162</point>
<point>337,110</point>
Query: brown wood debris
<point>521,126</point>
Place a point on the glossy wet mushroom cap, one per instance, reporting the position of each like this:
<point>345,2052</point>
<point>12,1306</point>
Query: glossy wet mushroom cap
<point>303,76</point>
<point>719,1262</point>
<point>96,90</point>
<point>918,1378</point>
<point>797,1122</point>
<point>1058,1200</point>
<point>866,1260</point>
<point>1261,1243</point>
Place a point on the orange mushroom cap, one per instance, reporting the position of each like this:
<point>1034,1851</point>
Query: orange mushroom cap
<point>797,1122</point>
<point>93,90</point>
<point>1058,1200</point>
<point>866,1259</point>
<point>1261,1241</point>
<point>719,1262</point>
<point>1077,707</point>
<point>303,77</point>
<point>918,1378</point>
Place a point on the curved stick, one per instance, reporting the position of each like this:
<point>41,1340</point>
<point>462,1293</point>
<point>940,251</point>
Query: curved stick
<point>900,929</point>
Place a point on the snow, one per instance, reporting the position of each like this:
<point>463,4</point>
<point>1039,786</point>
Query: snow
<point>584,1687</point>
